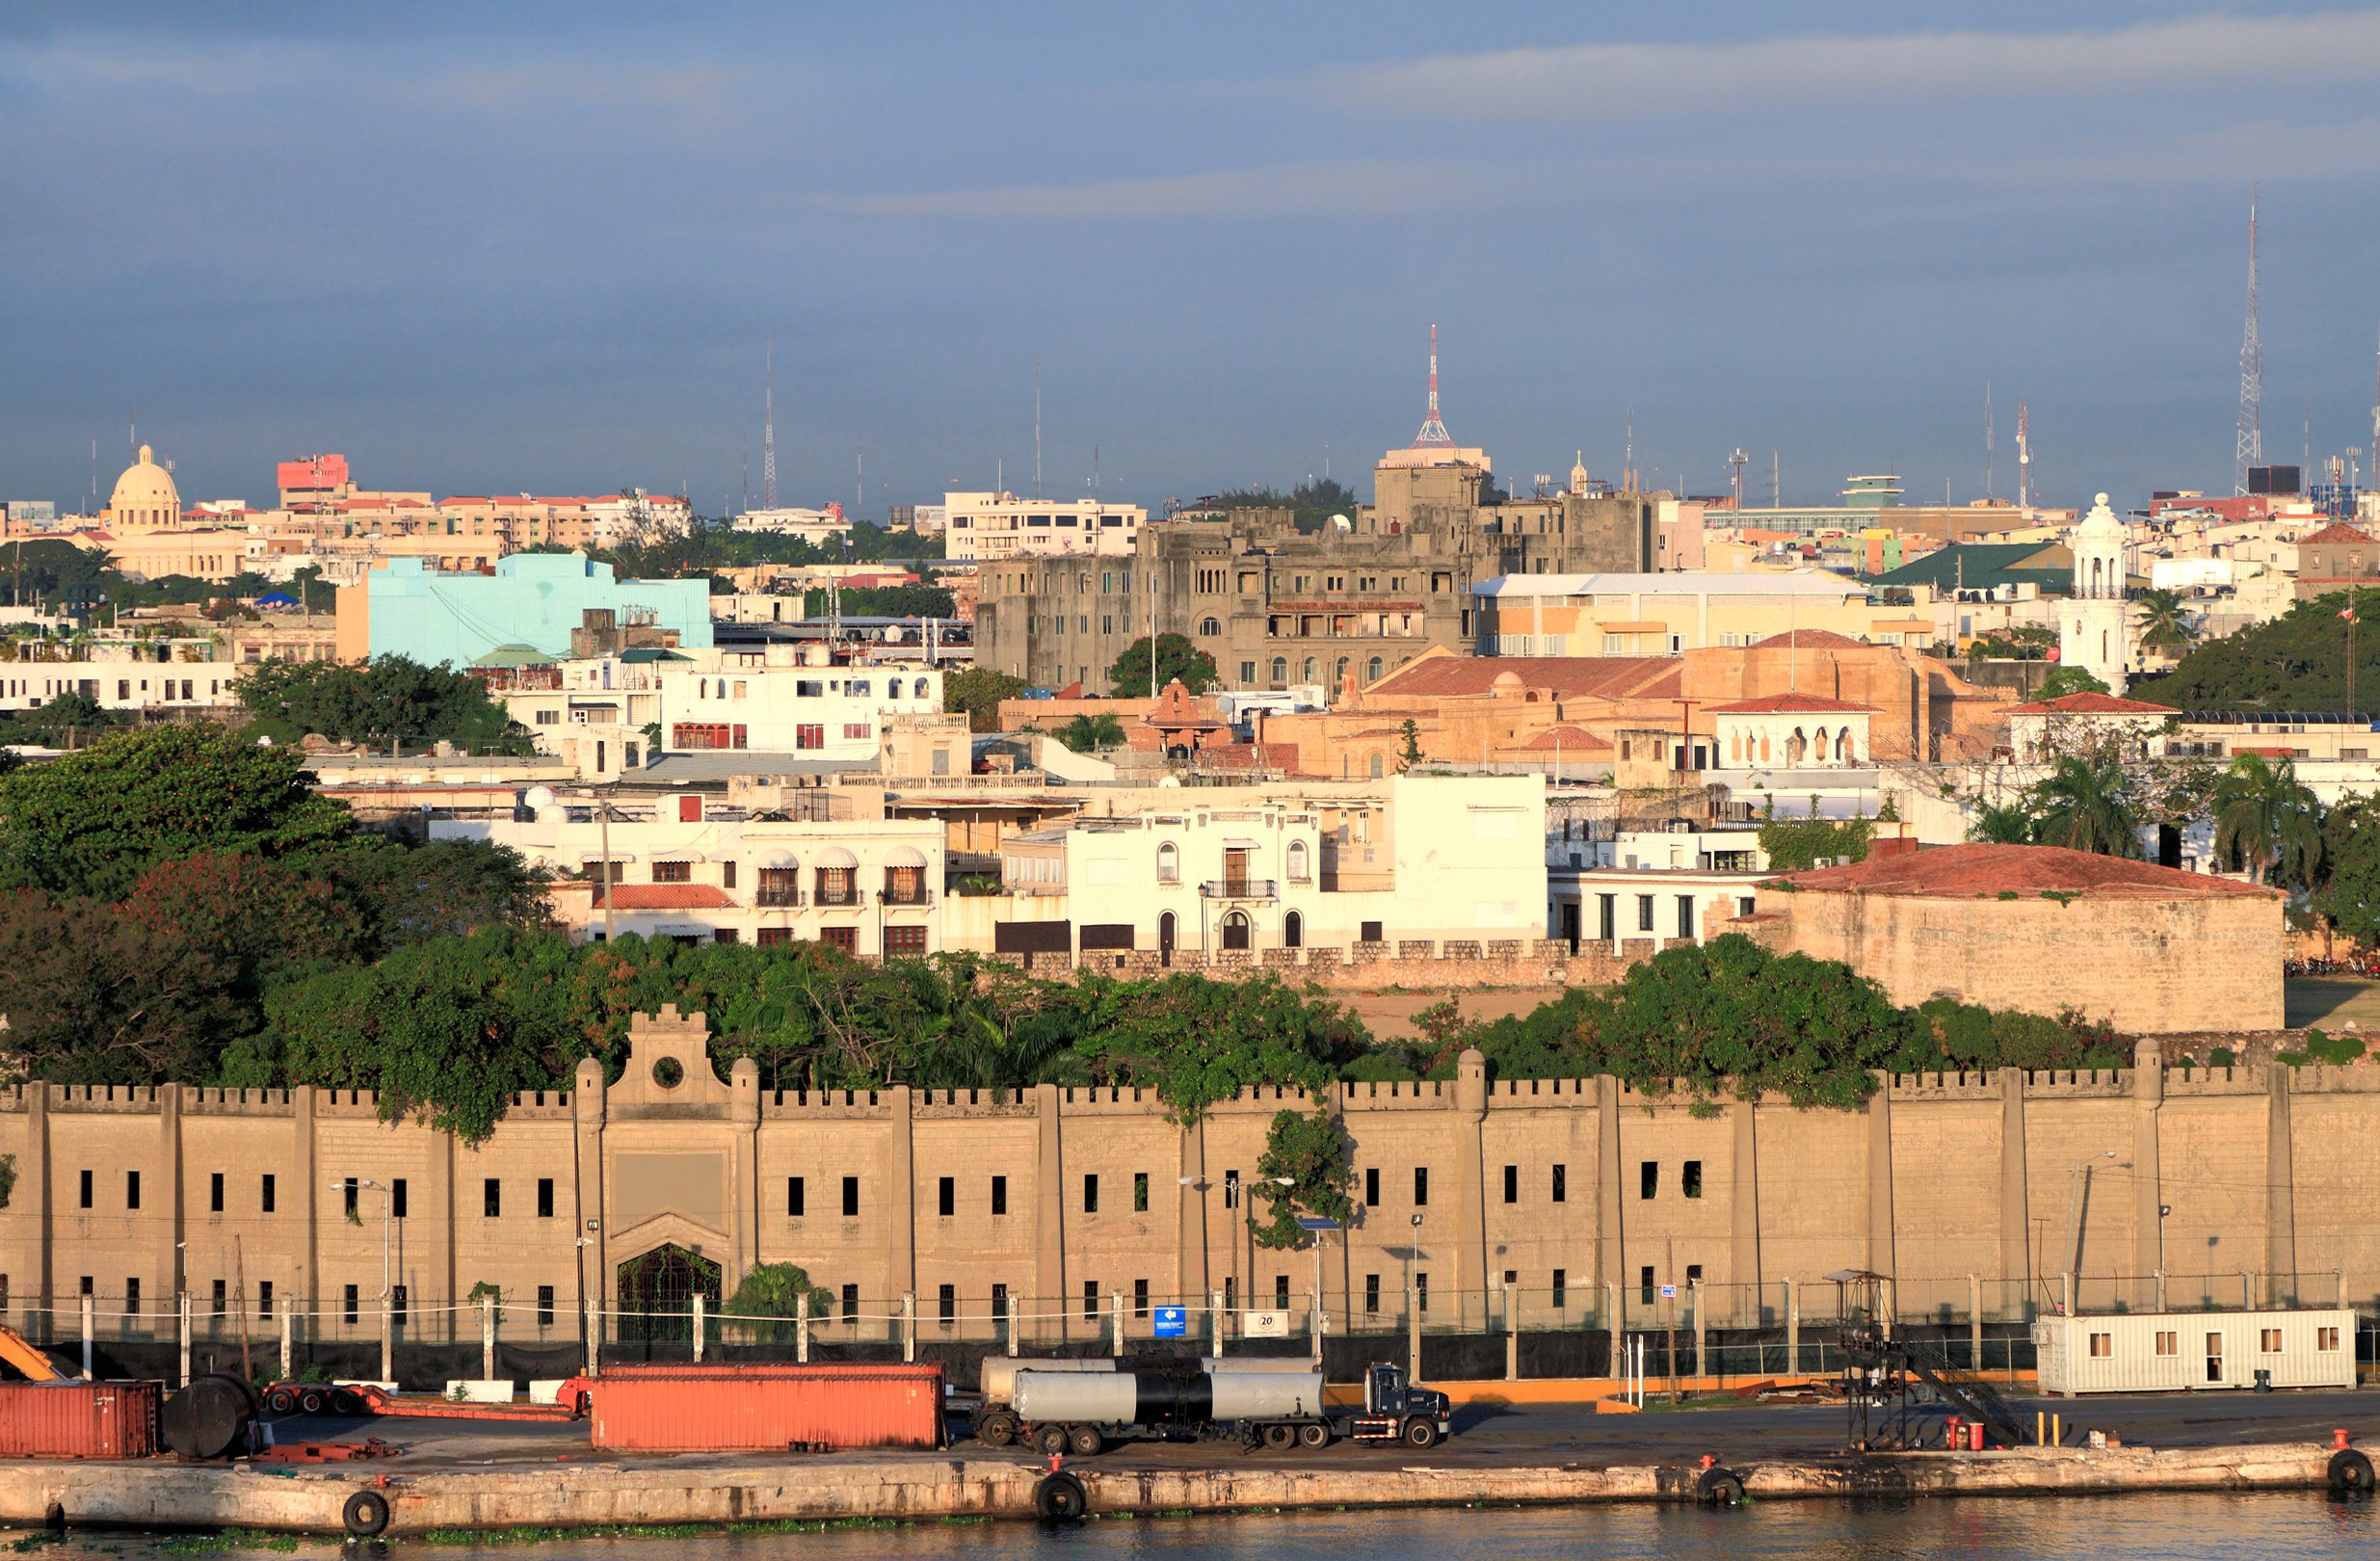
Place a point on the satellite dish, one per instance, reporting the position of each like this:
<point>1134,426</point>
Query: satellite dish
<point>540,797</point>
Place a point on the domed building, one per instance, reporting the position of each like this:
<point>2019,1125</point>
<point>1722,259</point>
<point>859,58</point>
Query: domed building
<point>145,499</point>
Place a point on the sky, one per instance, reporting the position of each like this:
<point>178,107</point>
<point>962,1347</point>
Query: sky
<point>539,246</point>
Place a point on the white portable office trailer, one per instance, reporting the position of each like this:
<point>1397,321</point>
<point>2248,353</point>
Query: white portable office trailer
<point>2145,1352</point>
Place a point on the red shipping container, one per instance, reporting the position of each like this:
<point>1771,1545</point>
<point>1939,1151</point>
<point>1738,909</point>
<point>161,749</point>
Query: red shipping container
<point>767,1408</point>
<point>79,1420</point>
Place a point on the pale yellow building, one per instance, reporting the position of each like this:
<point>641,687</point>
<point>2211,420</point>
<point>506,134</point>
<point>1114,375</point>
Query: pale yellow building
<point>1669,614</point>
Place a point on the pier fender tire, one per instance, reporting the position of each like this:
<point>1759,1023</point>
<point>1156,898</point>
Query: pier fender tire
<point>1719,1488</point>
<point>2350,1473</point>
<point>1085,1442</point>
<point>997,1429</point>
<point>1314,1434</point>
<point>1279,1438</point>
<point>282,1400</point>
<point>1052,1440</point>
<point>365,1515</point>
<point>1421,1434</point>
<point>1060,1498</point>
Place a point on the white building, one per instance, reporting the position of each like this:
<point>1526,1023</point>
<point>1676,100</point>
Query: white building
<point>122,674</point>
<point>2042,729</point>
<point>812,525</point>
<point>1001,525</point>
<point>786,700</point>
<point>2095,622</point>
<point>1795,731</point>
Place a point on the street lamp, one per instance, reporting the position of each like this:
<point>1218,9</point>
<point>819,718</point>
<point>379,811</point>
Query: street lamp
<point>387,1212</point>
<point>2073,1208</point>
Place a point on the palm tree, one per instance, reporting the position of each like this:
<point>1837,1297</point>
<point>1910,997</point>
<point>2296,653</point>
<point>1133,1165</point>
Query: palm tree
<point>2163,620</point>
<point>2081,804</point>
<point>2264,815</point>
<point>2006,824</point>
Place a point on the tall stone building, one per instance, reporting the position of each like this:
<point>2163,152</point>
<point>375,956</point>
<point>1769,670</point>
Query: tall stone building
<point>1277,607</point>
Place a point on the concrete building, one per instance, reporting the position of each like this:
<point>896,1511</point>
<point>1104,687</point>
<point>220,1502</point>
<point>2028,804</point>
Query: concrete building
<point>2151,950</point>
<point>821,526</point>
<point>1668,613</point>
<point>533,600</point>
<point>785,700</point>
<point>156,676</point>
<point>1799,731</point>
<point>980,526</point>
<point>2041,730</point>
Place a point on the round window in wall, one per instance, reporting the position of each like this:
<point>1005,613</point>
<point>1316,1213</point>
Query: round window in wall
<point>668,1074</point>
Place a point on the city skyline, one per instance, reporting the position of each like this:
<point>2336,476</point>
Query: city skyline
<point>496,252</point>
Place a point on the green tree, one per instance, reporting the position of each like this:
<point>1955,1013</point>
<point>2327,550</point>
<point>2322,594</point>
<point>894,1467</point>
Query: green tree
<point>1410,754</point>
<point>2266,817</point>
<point>1176,658</point>
<point>776,1291</point>
<point>1085,734</point>
<point>2161,618</point>
<point>1791,844</point>
<point>2348,893</point>
<point>886,601</point>
<point>388,699</point>
<point>68,721</point>
<point>979,691</point>
<point>2001,824</point>
<point>90,823</point>
<point>2082,806</point>
<point>95,997</point>
<point>2070,679</point>
<point>1308,1165</point>
<point>406,892</point>
<point>2295,662</point>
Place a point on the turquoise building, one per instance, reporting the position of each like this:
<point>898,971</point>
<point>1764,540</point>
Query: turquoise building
<point>532,598</point>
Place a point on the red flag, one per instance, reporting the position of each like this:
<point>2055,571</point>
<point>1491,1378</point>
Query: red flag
<point>2347,613</point>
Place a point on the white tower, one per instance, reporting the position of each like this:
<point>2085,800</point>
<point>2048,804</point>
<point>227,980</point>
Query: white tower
<point>2094,621</point>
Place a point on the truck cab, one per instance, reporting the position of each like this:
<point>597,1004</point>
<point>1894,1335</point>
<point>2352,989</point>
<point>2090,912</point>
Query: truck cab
<point>1394,1409</point>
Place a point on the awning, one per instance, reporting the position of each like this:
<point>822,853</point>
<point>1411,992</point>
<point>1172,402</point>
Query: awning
<point>780,858</point>
<point>836,856</point>
<point>905,857</point>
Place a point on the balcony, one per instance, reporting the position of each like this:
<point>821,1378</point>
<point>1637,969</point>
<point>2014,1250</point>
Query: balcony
<point>838,899</point>
<point>1239,888</point>
<point>899,902</point>
<point>778,899</point>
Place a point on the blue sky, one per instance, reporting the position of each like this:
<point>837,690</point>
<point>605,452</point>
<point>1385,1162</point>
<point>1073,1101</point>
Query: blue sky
<point>536,247</point>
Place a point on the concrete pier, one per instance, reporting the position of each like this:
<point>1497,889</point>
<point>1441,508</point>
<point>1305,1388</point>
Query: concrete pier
<point>593,1495</point>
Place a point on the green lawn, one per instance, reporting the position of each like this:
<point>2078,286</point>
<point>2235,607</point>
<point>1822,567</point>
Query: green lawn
<point>2331,1001</point>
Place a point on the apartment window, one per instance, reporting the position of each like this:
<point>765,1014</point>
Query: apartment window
<point>86,1202</point>
<point>219,1297</point>
<point>2102,1346</point>
<point>544,1198</point>
<point>1280,1292</point>
<point>1647,1178</point>
<point>1421,1186</point>
<point>851,1198</point>
<point>1561,1184</point>
<point>946,1197</point>
<point>1140,1298</point>
<point>1371,1295</point>
<point>1140,1192</point>
<point>544,1306</point>
<point>1645,1288</point>
<point>264,1299</point>
<point>1690,1179</point>
<point>215,1192</point>
<point>905,940</point>
<point>1371,1187</point>
<point>1561,1288</point>
<point>354,1193</point>
<point>673,872</point>
<point>1247,671</point>
<point>726,875</point>
<point>1230,1189</point>
<point>492,1199</point>
<point>2268,1340</point>
<point>1091,1298</point>
<point>348,1303</point>
<point>947,1305</point>
<point>397,1304</point>
<point>265,1195</point>
<point>2326,1340</point>
<point>1090,1192</point>
<point>999,1302</point>
<point>1000,1195</point>
<point>1231,1292</point>
<point>1422,1292</point>
<point>1694,1274</point>
<point>132,1189</point>
<point>396,1199</point>
<point>1512,1184</point>
<point>2168,1343</point>
<point>86,1285</point>
<point>1644,912</point>
<point>132,1294</point>
<point>851,1303</point>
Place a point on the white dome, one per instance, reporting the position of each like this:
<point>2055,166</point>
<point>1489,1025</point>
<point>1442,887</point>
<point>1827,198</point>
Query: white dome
<point>144,497</point>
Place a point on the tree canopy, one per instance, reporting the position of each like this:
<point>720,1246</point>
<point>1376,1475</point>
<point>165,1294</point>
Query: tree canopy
<point>2296,662</point>
<point>388,699</point>
<point>978,692</point>
<point>1176,658</point>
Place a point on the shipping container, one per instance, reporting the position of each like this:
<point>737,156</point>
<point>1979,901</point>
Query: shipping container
<point>79,1420</point>
<point>2144,1352</point>
<point>767,1408</point>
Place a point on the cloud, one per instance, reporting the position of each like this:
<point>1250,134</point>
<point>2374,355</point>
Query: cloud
<point>1328,189</point>
<point>1601,81</point>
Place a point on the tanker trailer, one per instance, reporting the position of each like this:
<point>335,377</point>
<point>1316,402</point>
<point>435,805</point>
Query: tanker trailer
<point>1082,1411</point>
<point>995,1419</point>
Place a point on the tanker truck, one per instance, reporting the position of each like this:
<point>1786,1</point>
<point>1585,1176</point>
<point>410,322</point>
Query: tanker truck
<point>994,1417</point>
<point>1083,1411</point>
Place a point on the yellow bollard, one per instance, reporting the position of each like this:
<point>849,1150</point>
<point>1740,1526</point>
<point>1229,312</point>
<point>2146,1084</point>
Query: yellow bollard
<point>2057,1433</point>
<point>2041,1427</point>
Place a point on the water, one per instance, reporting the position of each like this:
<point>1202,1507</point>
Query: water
<point>2283,1526</point>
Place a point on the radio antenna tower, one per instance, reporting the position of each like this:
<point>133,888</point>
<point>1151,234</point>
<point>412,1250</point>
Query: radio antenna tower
<point>2025,460</point>
<point>2251,452</point>
<point>1987,441</point>
<point>768,422</point>
<point>1433,429</point>
<point>1738,460</point>
<point>1037,430</point>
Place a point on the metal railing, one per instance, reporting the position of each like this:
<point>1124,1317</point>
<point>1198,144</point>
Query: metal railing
<point>1239,888</point>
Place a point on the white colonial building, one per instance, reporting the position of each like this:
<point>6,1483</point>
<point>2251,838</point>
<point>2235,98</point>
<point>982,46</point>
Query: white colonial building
<point>1800,731</point>
<point>2094,621</point>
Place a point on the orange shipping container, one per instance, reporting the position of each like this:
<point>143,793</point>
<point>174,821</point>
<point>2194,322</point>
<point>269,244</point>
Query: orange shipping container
<point>78,1419</point>
<point>768,1408</point>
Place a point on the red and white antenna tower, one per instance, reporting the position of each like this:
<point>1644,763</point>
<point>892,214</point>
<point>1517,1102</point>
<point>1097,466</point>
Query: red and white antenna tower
<point>2249,451</point>
<point>2024,459</point>
<point>767,423</point>
<point>1433,427</point>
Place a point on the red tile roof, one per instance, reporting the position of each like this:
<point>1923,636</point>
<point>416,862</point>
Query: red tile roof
<point>1811,638</point>
<point>2338,531</point>
<point>671,897</point>
<point>1790,704</point>
<point>1965,871</point>
<point>2091,704</point>
<point>1610,677</point>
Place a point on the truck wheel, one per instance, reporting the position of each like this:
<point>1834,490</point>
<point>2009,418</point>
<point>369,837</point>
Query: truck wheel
<point>2350,1473</point>
<point>282,1400</point>
<point>1314,1434</point>
<point>365,1515</point>
<point>1060,1498</point>
<point>1720,1488</point>
<point>312,1400</point>
<point>1085,1442</point>
<point>1052,1440</point>
<point>346,1401</point>
<point>996,1429</point>
<point>1279,1438</point>
<point>1421,1434</point>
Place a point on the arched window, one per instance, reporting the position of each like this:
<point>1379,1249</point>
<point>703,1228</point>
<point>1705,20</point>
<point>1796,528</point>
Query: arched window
<point>1309,670</point>
<point>1735,744</point>
<point>1372,670</point>
<point>1169,864</point>
<point>1297,861</point>
<point>1281,669</point>
<point>1293,930</point>
<point>925,689</point>
<point>1843,749</point>
<point>1209,626</point>
<point>1379,766</point>
<point>1797,747</point>
<point>1236,931</point>
<point>1338,673</point>
<point>1764,747</point>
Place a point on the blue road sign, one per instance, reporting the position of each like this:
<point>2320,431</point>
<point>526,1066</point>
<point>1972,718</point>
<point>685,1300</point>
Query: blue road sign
<point>1172,1322</point>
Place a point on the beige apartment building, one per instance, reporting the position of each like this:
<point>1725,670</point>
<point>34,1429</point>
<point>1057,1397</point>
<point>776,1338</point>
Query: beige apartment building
<point>1053,1202</point>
